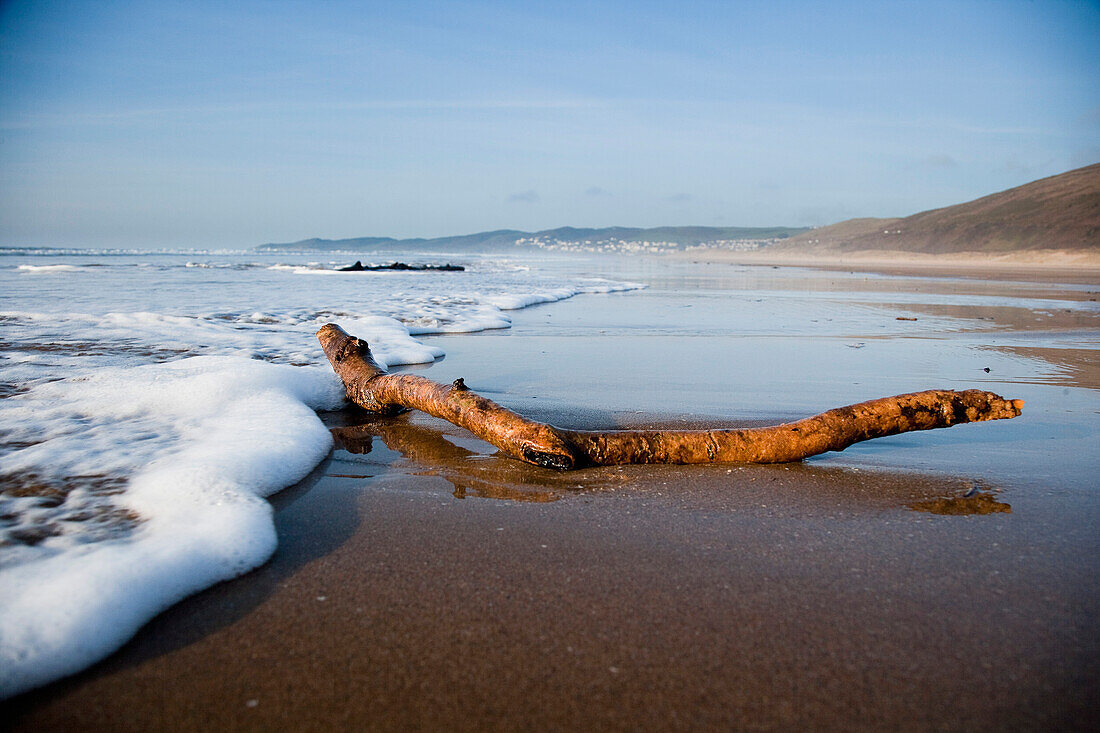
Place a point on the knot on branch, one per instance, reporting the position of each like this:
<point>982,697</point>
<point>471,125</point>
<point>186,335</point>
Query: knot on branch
<point>459,385</point>
<point>354,346</point>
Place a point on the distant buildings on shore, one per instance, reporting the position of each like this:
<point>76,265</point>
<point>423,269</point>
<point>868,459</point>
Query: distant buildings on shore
<point>621,246</point>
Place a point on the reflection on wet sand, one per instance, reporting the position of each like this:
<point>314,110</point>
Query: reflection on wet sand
<point>975,318</point>
<point>1071,367</point>
<point>469,476</point>
<point>975,501</point>
<point>473,469</point>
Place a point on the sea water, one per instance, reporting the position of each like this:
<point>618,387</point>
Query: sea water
<point>148,403</point>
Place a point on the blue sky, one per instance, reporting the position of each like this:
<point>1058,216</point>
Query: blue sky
<point>232,124</point>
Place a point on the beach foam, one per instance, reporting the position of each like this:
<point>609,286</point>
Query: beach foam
<point>201,440</point>
<point>48,268</point>
<point>150,405</point>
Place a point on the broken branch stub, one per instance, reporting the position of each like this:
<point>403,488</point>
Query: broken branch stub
<point>370,387</point>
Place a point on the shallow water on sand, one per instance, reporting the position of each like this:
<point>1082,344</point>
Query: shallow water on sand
<point>760,344</point>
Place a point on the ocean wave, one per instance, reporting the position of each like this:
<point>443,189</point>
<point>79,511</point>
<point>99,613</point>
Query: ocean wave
<point>223,265</point>
<point>118,252</point>
<point>48,268</point>
<point>309,270</point>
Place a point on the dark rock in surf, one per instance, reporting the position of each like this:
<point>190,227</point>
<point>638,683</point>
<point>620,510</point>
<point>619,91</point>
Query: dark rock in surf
<point>402,267</point>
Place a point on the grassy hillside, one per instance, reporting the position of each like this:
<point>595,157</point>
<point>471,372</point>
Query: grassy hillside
<point>1057,213</point>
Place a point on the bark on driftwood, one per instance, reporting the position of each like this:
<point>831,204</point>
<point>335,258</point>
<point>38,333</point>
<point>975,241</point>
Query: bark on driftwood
<point>373,389</point>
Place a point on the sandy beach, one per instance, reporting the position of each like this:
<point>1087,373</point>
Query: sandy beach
<point>1078,266</point>
<point>946,580</point>
<point>1055,266</point>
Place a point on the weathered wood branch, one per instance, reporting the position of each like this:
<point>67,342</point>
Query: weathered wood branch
<point>373,389</point>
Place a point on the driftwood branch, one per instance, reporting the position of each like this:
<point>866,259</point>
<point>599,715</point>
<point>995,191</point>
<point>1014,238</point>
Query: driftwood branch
<point>373,389</point>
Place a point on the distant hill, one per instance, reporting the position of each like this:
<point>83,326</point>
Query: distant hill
<point>1057,213</point>
<point>670,237</point>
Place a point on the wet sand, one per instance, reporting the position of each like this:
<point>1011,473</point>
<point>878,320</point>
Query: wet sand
<point>945,580</point>
<point>1054,266</point>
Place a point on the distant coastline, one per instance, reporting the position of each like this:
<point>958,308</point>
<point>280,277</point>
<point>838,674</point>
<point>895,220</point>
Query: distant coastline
<point>606,239</point>
<point>1053,218</point>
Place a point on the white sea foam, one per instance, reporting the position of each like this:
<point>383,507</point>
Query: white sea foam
<point>310,270</point>
<point>221,432</point>
<point>48,268</point>
<point>151,404</point>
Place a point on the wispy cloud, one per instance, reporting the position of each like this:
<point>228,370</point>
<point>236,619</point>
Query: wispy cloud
<point>89,118</point>
<point>597,192</point>
<point>1090,118</point>
<point>576,103</point>
<point>1016,167</point>
<point>679,198</point>
<point>93,117</point>
<point>530,196</point>
<point>963,127</point>
<point>1085,156</point>
<point>940,161</point>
